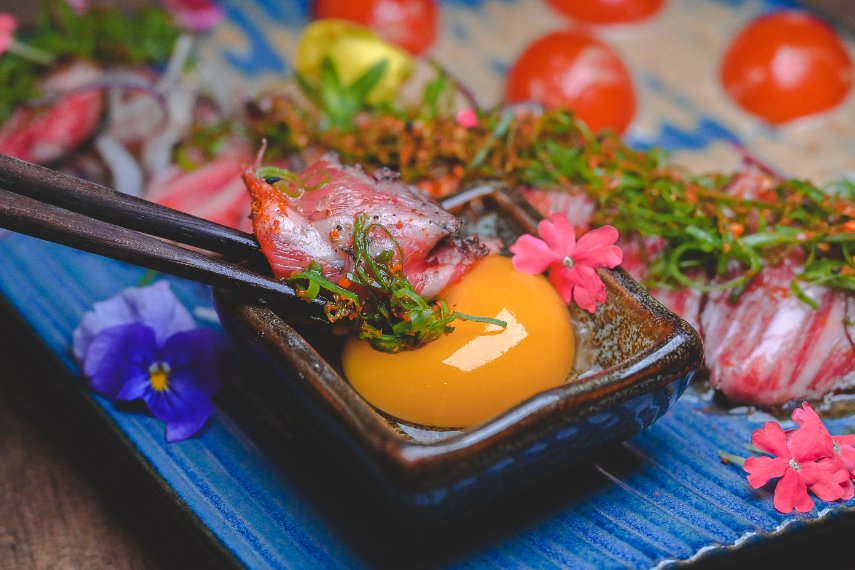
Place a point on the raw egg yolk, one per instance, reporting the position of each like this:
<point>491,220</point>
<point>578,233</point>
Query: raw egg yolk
<point>479,370</point>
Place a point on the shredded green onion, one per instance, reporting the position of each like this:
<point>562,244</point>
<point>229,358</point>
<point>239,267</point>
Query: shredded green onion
<point>390,314</point>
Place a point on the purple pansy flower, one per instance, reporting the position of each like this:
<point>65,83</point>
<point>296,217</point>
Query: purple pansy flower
<point>144,344</point>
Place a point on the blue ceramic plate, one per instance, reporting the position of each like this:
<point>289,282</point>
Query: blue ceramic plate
<point>659,499</point>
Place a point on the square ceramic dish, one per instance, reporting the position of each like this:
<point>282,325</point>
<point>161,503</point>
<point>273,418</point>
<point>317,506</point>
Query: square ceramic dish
<point>643,357</point>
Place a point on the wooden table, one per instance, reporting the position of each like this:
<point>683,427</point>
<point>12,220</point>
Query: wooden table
<point>69,498</point>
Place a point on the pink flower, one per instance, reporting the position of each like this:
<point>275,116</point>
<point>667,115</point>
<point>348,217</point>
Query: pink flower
<point>803,459</point>
<point>195,15</point>
<point>843,445</point>
<point>79,6</point>
<point>8,24</point>
<point>571,264</point>
<point>467,118</point>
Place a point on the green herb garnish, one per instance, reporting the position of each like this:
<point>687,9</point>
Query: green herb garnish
<point>389,313</point>
<point>713,239</point>
<point>339,103</point>
<point>205,142</point>
<point>108,35</point>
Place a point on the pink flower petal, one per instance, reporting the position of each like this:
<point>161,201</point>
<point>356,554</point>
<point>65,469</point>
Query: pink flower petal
<point>847,455</point>
<point>596,248</point>
<point>825,478</point>
<point>772,439</point>
<point>584,299</point>
<point>848,439</point>
<point>810,442</point>
<point>828,490</point>
<point>8,25</point>
<point>588,287</point>
<point>532,255</point>
<point>558,233</point>
<point>561,279</point>
<point>848,490</point>
<point>467,118</point>
<point>763,469</point>
<point>804,414</point>
<point>791,492</point>
<point>79,6</point>
<point>195,15</point>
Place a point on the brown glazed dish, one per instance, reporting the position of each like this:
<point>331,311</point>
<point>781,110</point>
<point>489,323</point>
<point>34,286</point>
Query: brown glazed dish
<point>643,357</point>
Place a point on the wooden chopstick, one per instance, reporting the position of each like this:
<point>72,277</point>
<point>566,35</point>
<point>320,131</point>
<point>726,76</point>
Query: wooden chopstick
<point>45,221</point>
<point>29,216</point>
<point>96,201</point>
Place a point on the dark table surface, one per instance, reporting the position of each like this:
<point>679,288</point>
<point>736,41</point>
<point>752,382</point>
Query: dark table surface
<point>70,498</point>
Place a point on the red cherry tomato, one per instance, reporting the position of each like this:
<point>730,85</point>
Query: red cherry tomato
<point>576,71</point>
<point>608,11</point>
<point>786,65</point>
<point>411,24</point>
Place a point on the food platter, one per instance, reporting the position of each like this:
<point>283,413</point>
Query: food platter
<point>266,498</point>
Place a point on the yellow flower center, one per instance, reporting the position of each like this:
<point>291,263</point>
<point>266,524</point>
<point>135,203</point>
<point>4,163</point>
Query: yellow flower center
<point>158,376</point>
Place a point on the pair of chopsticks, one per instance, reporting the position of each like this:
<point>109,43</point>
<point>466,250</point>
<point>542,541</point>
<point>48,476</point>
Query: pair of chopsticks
<point>54,206</point>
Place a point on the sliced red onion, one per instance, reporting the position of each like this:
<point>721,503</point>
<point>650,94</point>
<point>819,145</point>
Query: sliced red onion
<point>177,61</point>
<point>156,154</point>
<point>126,172</point>
<point>120,80</point>
<point>181,98</point>
<point>752,160</point>
<point>134,116</point>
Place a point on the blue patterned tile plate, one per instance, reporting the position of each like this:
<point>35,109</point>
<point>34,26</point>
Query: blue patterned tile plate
<point>660,499</point>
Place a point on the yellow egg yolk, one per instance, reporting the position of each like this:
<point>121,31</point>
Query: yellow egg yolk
<point>479,370</point>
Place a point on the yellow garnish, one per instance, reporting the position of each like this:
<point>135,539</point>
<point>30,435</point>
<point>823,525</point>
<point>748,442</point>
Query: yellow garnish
<point>352,49</point>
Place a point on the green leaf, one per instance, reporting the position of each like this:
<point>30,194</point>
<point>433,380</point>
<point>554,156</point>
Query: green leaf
<point>362,85</point>
<point>438,95</point>
<point>701,235</point>
<point>499,131</point>
<point>108,35</point>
